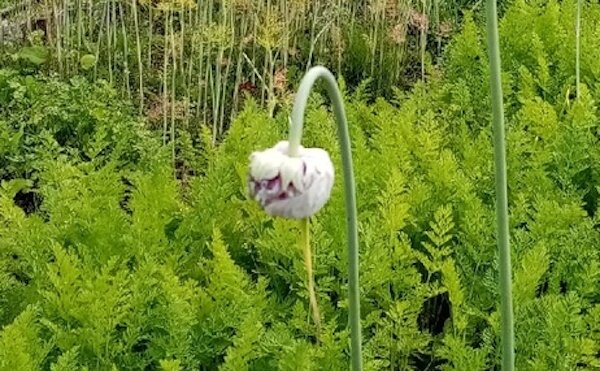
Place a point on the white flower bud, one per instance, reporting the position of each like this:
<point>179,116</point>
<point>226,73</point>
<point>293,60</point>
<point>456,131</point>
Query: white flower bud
<point>290,187</point>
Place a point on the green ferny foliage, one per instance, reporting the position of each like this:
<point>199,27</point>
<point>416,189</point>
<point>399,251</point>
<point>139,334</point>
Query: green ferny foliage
<point>121,266</point>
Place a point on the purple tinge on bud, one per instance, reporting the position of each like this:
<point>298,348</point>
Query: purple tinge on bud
<point>290,187</point>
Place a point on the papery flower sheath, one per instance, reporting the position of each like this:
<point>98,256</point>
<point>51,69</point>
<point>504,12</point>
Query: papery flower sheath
<point>291,187</point>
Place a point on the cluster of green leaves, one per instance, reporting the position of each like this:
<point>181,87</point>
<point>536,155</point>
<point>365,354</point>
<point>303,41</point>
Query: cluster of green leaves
<point>118,270</point>
<point>43,118</point>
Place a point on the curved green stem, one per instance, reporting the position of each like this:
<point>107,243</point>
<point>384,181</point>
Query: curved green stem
<point>508,355</point>
<point>344,139</point>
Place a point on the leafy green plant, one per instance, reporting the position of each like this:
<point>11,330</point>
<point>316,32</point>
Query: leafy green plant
<point>43,119</point>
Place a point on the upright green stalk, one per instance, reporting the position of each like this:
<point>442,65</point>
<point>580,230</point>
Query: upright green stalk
<point>239,66</point>
<point>59,37</point>
<point>173,81</point>
<point>165,76</point>
<point>67,34</point>
<point>138,45</point>
<point>99,40</point>
<point>28,15</point>
<point>109,44</point>
<point>577,50</point>
<point>150,37</point>
<point>508,355</point>
<point>79,28</point>
<point>301,99</point>
<point>190,68</point>
<point>125,51</point>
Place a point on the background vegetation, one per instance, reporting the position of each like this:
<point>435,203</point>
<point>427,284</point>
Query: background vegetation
<point>184,63</point>
<point>120,252</point>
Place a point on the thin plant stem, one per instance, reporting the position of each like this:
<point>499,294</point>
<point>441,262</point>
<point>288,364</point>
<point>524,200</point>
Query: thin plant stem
<point>227,18</point>
<point>150,37</point>
<point>99,41</point>
<point>210,83</point>
<point>190,68</point>
<point>58,38</point>
<point>312,36</point>
<point>508,355</point>
<point>207,79</point>
<point>577,46</point>
<point>254,37</point>
<point>91,19</point>
<point>313,44</point>
<point>79,28</point>
<point>67,35</point>
<point>109,45</point>
<point>238,72</point>
<point>125,51</point>
<point>216,91</point>
<point>28,13</point>
<point>373,42</point>
<point>310,277</point>
<point>165,77</point>
<point>138,45</point>
<point>423,40</point>
<point>200,18</point>
<point>173,81</point>
<point>270,71</point>
<point>201,82</point>
<point>265,92</point>
<point>115,34</point>
<point>300,102</point>
<point>224,90</point>
<point>286,36</point>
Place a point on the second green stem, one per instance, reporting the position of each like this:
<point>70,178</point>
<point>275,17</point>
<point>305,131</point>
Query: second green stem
<point>312,296</point>
<point>506,307</point>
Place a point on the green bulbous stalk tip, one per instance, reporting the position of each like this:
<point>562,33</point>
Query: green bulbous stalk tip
<point>295,137</point>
